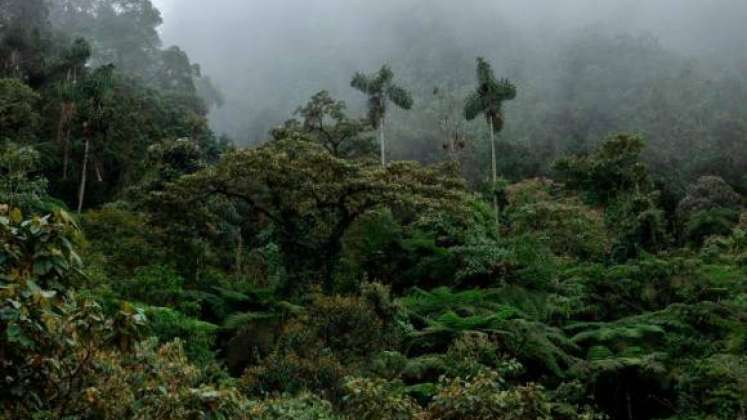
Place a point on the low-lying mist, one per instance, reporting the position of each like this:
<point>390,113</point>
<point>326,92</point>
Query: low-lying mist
<point>268,57</point>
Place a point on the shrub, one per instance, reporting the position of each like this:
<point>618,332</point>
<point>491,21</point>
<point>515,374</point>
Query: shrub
<point>135,243</point>
<point>19,119</point>
<point>473,352</point>
<point>198,336</point>
<point>710,222</point>
<point>375,398</point>
<point>304,406</point>
<point>351,326</point>
<point>289,372</point>
<point>19,186</point>
<point>485,396</point>
<point>332,329</point>
<point>611,170</point>
<point>708,192</point>
<point>716,386</point>
<point>571,228</point>
<point>155,285</point>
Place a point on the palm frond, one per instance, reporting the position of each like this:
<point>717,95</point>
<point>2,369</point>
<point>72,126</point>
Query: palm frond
<point>362,83</point>
<point>474,106</point>
<point>485,74</point>
<point>399,96</point>
<point>506,90</point>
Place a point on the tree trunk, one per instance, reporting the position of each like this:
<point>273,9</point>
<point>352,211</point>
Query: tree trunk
<point>451,141</point>
<point>66,118</point>
<point>84,172</point>
<point>331,258</point>
<point>239,253</point>
<point>66,158</point>
<point>61,123</point>
<point>97,167</point>
<point>63,134</point>
<point>629,405</point>
<point>381,143</point>
<point>495,171</point>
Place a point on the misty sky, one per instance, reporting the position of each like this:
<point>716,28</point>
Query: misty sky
<point>268,55</point>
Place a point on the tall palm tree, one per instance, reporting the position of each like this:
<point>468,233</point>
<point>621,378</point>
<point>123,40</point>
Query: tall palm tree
<point>381,89</point>
<point>487,100</point>
<point>68,92</point>
<point>98,90</point>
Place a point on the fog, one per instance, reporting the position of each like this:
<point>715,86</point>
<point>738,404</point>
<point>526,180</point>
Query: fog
<point>268,56</point>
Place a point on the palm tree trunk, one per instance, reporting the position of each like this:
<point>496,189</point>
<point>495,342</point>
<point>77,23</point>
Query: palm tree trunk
<point>61,123</point>
<point>381,143</point>
<point>82,190</point>
<point>61,135</point>
<point>66,158</point>
<point>239,253</point>
<point>66,120</point>
<point>97,167</point>
<point>452,139</point>
<point>495,170</point>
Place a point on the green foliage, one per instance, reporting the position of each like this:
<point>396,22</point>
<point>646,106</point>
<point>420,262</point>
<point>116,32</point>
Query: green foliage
<point>489,97</point>
<point>198,337</point>
<point>440,247</point>
<point>571,228</point>
<point>290,372</point>
<point>614,177</point>
<point>469,354</point>
<point>485,396</point>
<point>19,186</point>
<point>638,225</point>
<point>611,170</point>
<point>348,326</point>
<point>381,89</point>
<point>493,313</point>
<point>312,198</point>
<point>371,399</point>
<point>136,243</point>
<point>64,356</point>
<point>716,387</point>
<point>301,407</point>
<point>711,222</point>
<point>19,118</point>
<point>324,120</point>
<point>155,285</point>
<point>330,287</point>
<point>311,348</point>
<point>707,193</point>
<point>39,249</point>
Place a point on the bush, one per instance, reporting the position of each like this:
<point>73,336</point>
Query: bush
<point>473,352</point>
<point>332,329</point>
<point>155,285</point>
<point>304,406</point>
<point>198,336</point>
<point>707,193</point>
<point>19,185</point>
<point>18,117</point>
<point>351,326</point>
<point>289,372</point>
<point>486,397</point>
<point>162,384</point>
<point>716,386</point>
<point>375,398</point>
<point>123,238</point>
<point>711,222</point>
<point>571,228</point>
<point>611,170</point>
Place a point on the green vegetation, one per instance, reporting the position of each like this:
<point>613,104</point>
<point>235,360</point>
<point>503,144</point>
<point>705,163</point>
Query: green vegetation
<point>301,279</point>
